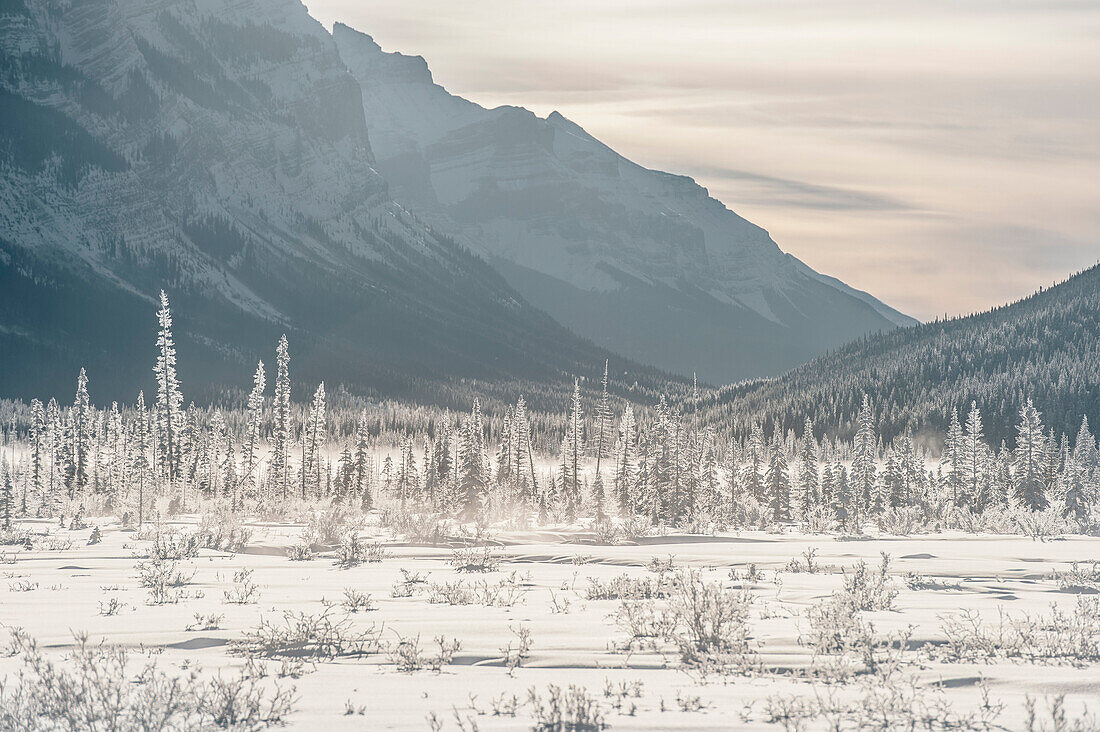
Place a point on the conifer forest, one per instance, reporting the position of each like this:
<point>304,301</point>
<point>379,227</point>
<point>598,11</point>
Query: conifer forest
<point>339,391</point>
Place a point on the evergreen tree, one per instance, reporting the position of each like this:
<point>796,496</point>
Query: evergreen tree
<point>251,445</point>
<point>79,434</point>
<point>603,421</point>
<point>141,465</point>
<point>169,398</point>
<point>571,450</point>
<point>777,483</point>
<point>280,431</point>
<point>472,485</point>
<point>756,461</point>
<point>809,480</point>
<point>625,458</point>
<point>952,459</point>
<point>314,443</point>
<point>362,461</point>
<point>972,459</point>
<point>1028,463</point>
<point>7,496</point>
<point>38,436</point>
<point>864,455</point>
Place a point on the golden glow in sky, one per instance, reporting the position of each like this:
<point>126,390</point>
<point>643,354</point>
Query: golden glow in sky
<point>943,155</point>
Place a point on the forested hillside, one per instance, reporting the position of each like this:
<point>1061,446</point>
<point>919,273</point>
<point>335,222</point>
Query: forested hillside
<point>1046,347</point>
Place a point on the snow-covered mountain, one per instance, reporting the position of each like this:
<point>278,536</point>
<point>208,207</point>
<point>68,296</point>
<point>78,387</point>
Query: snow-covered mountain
<point>218,149</point>
<point>642,261</point>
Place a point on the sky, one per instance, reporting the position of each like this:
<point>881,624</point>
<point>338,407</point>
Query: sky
<point>943,155</point>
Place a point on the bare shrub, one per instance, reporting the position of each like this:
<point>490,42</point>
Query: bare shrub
<point>901,520</point>
<point>475,559</point>
<point>808,564</point>
<point>505,592</point>
<point>515,655</point>
<point>646,625</point>
<point>353,552</point>
<point>1079,578</point>
<point>330,525</point>
<point>871,590</point>
<point>98,687</point>
<point>355,601</point>
<point>244,590</point>
<point>240,703</point>
<point>882,704</point>
<point>1043,525</point>
<point>705,622</point>
<point>916,581</point>
<point>408,657</point>
<point>318,636</point>
<point>163,578</point>
<point>168,546</point>
<point>625,587</point>
<point>205,622</point>
<point>221,529</point>
<point>559,605</point>
<point>1056,719</point>
<point>569,710</point>
<point>300,552</point>
<point>1062,635</point>
<point>711,628</point>
<point>819,520</point>
<point>409,584</point>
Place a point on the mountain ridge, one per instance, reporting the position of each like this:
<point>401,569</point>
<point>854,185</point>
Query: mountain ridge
<point>1045,347</point>
<point>562,215</point>
<point>219,150</point>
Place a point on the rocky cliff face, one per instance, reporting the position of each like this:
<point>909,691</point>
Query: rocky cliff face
<point>640,260</point>
<point>218,149</point>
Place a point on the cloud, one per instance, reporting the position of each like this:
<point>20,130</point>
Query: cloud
<point>942,155</point>
<point>769,190</point>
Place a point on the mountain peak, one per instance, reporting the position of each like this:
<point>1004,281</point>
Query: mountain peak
<point>392,65</point>
<point>606,246</point>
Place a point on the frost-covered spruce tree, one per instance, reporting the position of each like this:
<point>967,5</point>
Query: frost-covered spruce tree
<point>472,484</point>
<point>78,435</point>
<point>777,484</point>
<point>625,463</point>
<point>505,452</point>
<point>7,496</point>
<point>1028,460</point>
<point>756,459</point>
<point>1080,471</point>
<point>864,454</point>
<point>951,459</point>
<point>363,467</point>
<point>407,478</point>
<point>809,476</point>
<point>250,463</point>
<point>140,464</point>
<point>524,459</point>
<point>55,446</point>
<point>169,398</point>
<point>572,447</point>
<point>313,444</point>
<point>280,427</point>
<point>38,438</point>
<point>345,472</point>
<point>710,486</point>
<point>603,421</point>
<point>972,461</point>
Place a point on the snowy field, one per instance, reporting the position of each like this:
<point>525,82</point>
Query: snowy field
<point>789,665</point>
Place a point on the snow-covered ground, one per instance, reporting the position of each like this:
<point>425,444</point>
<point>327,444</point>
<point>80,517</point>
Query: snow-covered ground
<point>56,590</point>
